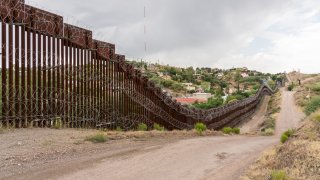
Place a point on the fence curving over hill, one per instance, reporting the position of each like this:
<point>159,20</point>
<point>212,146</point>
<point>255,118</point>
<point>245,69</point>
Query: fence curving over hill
<point>53,72</point>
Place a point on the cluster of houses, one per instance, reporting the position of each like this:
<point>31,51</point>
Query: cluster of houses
<point>200,96</point>
<point>195,92</point>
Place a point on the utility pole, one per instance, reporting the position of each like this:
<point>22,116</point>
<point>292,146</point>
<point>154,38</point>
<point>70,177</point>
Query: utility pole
<point>145,31</point>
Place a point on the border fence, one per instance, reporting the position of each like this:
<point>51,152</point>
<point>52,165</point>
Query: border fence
<point>53,72</point>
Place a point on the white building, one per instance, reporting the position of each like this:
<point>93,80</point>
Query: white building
<point>189,86</point>
<point>202,95</point>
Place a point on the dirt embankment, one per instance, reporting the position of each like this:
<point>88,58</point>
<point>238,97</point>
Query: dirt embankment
<point>299,157</point>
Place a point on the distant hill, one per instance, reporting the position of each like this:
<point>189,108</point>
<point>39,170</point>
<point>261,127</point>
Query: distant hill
<point>229,84</point>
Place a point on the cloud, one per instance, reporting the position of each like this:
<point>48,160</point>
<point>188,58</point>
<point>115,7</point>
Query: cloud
<point>270,36</point>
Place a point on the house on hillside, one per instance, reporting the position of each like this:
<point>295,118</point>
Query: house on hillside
<point>160,74</point>
<point>190,100</point>
<point>220,75</point>
<point>166,77</point>
<point>244,74</point>
<point>152,67</point>
<point>201,95</point>
<point>231,90</point>
<point>189,86</point>
<point>197,76</point>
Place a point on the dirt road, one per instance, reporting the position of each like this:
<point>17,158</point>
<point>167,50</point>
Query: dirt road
<point>290,115</point>
<point>195,158</point>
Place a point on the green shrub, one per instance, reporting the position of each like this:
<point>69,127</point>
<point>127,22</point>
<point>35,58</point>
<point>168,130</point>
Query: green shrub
<point>237,96</point>
<point>213,102</point>
<point>177,87</point>
<point>268,132</point>
<point>236,130</point>
<point>200,127</point>
<point>278,175</point>
<point>313,105</point>
<point>227,130</point>
<point>158,127</point>
<point>291,87</point>
<point>142,127</point>
<point>97,138</point>
<point>167,83</point>
<point>289,132</point>
<point>232,101</point>
<point>57,123</point>
<point>119,129</point>
<point>284,138</point>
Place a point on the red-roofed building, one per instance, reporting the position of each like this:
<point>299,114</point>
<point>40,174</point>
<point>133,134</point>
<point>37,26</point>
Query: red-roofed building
<point>190,100</point>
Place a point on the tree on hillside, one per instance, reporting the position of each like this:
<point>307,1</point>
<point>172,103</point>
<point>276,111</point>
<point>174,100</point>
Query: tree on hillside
<point>237,78</point>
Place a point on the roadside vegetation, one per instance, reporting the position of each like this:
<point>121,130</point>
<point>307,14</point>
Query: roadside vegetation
<point>142,127</point>
<point>286,135</point>
<point>158,127</point>
<point>97,138</point>
<point>279,175</point>
<point>200,128</point>
<point>229,130</point>
<point>298,155</point>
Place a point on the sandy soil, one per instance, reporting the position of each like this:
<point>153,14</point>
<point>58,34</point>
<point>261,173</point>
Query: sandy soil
<point>158,157</point>
<point>290,115</point>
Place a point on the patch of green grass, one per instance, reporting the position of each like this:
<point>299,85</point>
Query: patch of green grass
<point>229,130</point>
<point>158,127</point>
<point>279,175</point>
<point>142,127</point>
<point>97,138</point>
<point>315,87</point>
<point>313,105</point>
<point>200,127</point>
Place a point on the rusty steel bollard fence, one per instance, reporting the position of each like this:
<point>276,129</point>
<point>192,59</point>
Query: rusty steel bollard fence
<point>52,71</point>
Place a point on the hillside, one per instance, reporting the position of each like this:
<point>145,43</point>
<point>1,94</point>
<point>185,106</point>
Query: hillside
<point>297,157</point>
<point>206,87</point>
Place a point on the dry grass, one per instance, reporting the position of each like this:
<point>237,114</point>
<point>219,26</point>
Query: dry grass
<point>97,138</point>
<point>299,158</point>
<point>114,135</point>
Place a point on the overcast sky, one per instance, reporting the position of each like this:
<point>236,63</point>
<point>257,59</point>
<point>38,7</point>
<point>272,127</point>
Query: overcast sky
<point>266,35</point>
